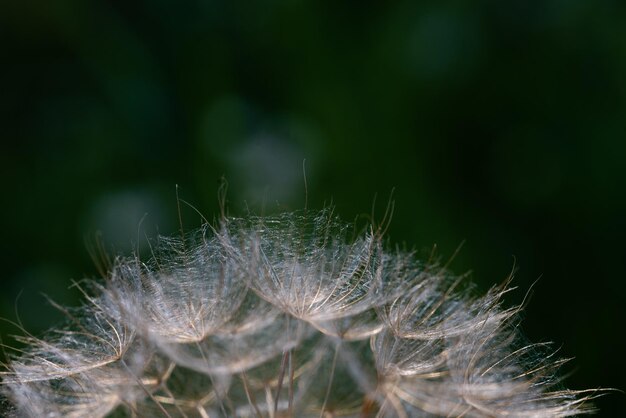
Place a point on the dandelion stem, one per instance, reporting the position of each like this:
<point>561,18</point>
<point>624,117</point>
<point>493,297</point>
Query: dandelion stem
<point>330,379</point>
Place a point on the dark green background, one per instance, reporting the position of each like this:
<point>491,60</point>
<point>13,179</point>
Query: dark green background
<point>498,123</point>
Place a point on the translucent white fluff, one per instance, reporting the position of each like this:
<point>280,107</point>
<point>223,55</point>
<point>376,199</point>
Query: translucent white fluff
<point>296,315</point>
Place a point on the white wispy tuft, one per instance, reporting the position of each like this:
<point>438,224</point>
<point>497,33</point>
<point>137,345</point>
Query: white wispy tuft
<point>296,315</point>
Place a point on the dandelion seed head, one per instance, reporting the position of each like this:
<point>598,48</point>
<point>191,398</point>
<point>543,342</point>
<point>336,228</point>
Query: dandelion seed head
<point>292,315</point>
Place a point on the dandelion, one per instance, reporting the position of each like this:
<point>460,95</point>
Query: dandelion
<point>296,315</point>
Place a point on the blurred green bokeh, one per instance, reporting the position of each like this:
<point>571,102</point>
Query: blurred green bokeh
<point>501,124</point>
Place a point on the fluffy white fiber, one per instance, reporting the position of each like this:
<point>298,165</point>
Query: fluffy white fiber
<point>289,316</point>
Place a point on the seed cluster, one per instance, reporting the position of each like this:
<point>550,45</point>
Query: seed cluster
<point>295,315</point>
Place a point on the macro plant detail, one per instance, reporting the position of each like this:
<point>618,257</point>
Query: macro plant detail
<point>294,315</point>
